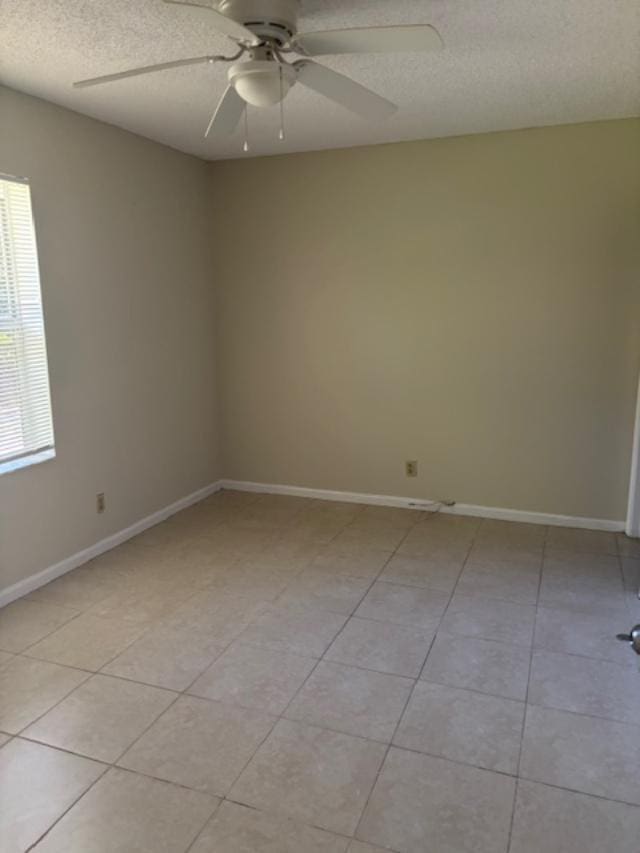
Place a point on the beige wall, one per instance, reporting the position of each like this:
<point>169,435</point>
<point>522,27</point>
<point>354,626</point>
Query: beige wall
<point>128,298</point>
<point>471,303</point>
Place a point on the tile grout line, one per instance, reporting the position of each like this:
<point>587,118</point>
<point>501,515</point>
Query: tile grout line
<point>153,624</point>
<point>22,736</point>
<point>115,765</point>
<point>400,716</point>
<point>277,718</point>
<point>55,705</point>
<point>109,765</point>
<point>458,762</point>
<point>409,697</point>
<point>92,673</point>
<point>45,636</point>
<point>351,615</point>
<point>526,697</point>
<point>68,809</point>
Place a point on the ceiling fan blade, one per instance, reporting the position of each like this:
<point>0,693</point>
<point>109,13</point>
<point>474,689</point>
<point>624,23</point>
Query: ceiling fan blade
<point>227,114</point>
<point>370,40</point>
<point>343,90</point>
<point>222,22</point>
<point>145,69</point>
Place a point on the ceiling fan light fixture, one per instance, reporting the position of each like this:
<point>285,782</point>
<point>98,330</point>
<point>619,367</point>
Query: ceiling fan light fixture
<point>261,83</point>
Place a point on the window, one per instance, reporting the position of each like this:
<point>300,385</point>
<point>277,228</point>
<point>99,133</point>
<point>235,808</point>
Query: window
<point>26,428</point>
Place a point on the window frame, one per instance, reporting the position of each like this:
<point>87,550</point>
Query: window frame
<point>34,455</point>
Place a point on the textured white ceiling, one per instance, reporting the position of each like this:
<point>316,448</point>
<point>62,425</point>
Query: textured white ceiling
<point>507,64</point>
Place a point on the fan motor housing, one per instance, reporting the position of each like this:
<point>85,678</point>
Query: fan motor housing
<point>276,20</point>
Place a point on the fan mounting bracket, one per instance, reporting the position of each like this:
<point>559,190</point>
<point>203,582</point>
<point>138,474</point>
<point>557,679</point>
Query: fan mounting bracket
<point>273,20</point>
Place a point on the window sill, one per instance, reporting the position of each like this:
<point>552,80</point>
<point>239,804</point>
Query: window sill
<point>27,461</point>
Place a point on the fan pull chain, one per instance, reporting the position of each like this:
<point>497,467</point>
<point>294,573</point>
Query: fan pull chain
<point>245,147</point>
<point>281,133</point>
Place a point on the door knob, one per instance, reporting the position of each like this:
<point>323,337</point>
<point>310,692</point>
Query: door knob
<point>633,638</point>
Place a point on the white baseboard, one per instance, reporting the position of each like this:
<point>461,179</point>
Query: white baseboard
<point>23,587</point>
<point>458,509</point>
<point>33,582</point>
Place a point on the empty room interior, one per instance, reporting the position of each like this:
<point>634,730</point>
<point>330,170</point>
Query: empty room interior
<point>319,426</point>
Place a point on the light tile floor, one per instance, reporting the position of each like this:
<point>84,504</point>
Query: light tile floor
<point>282,675</point>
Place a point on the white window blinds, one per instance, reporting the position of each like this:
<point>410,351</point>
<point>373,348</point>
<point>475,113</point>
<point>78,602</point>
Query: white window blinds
<point>25,408</point>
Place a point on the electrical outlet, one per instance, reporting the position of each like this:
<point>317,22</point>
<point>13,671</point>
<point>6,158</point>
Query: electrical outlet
<point>100,502</point>
<point>411,468</point>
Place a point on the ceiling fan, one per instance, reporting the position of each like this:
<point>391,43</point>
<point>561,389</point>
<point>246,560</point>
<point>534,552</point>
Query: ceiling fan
<point>265,35</point>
